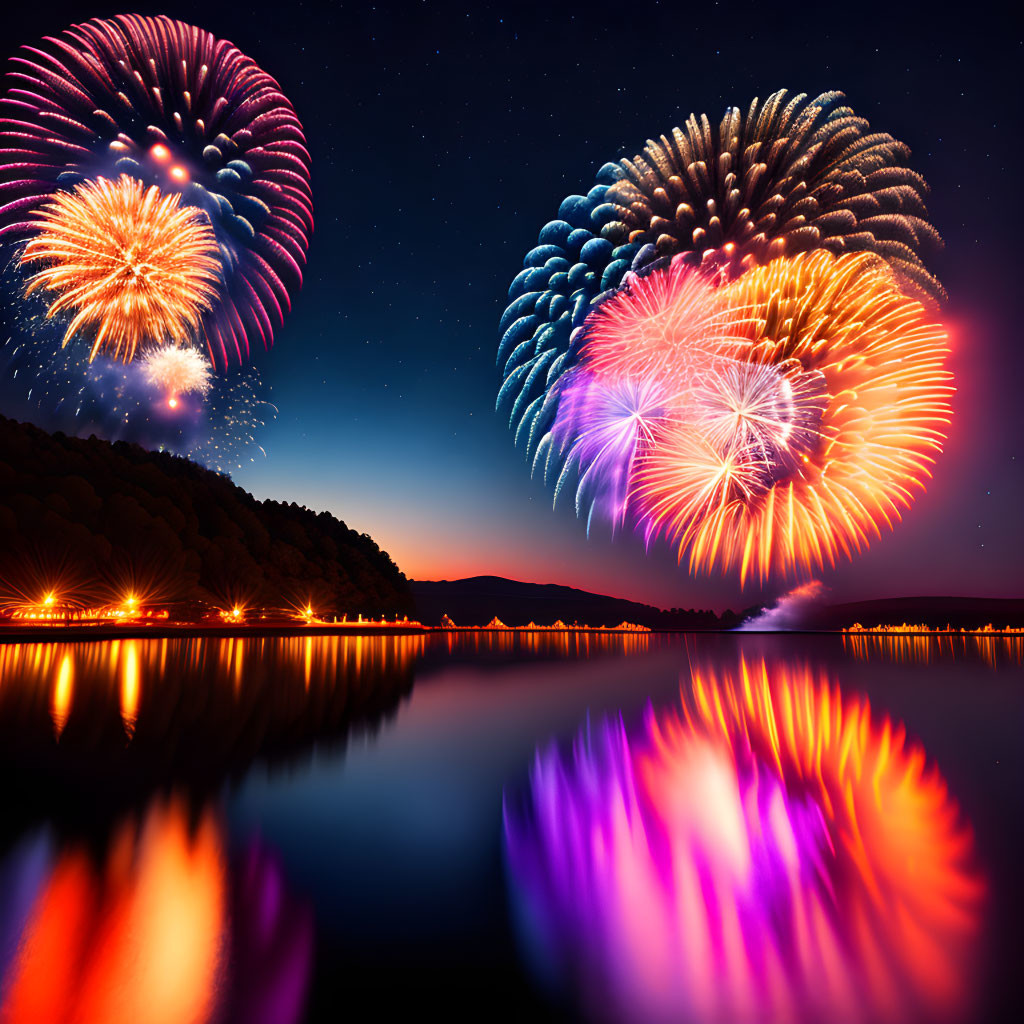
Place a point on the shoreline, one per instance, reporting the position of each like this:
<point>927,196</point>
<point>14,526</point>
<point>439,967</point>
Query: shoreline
<point>84,634</point>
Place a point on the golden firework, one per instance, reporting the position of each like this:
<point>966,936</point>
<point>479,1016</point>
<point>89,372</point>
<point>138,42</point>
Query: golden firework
<point>126,261</point>
<point>856,434</point>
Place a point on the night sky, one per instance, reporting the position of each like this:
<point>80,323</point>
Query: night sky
<point>443,137</point>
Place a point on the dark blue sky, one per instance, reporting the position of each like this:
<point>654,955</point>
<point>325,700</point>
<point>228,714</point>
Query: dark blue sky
<point>444,136</point>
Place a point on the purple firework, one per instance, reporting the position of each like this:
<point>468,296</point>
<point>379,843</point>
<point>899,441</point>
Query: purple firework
<point>602,427</point>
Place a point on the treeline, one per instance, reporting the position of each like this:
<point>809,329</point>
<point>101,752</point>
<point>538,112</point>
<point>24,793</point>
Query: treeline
<point>84,513</point>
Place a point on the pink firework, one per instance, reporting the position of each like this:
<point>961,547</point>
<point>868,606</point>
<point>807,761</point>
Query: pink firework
<point>769,849</point>
<point>669,321</point>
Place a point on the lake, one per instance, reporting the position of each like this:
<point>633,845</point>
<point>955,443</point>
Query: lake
<point>705,827</point>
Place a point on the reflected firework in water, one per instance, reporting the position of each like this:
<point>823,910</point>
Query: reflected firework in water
<point>769,852</point>
<point>163,928</point>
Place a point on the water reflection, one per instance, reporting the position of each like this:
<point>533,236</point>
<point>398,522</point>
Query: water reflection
<point>113,720</point>
<point>541,643</point>
<point>924,648</point>
<point>769,851</point>
<point>163,926</point>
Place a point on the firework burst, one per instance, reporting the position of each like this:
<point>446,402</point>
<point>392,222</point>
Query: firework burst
<point>177,371</point>
<point>605,426</point>
<point>771,411</point>
<point>790,175</point>
<point>124,261</point>
<point>784,440</point>
<point>217,428</point>
<point>169,105</point>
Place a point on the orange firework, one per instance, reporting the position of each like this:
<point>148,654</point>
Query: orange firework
<point>127,261</point>
<point>796,452</point>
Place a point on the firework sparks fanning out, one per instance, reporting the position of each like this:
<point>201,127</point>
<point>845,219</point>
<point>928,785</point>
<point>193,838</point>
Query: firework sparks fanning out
<point>155,200</point>
<point>772,416</point>
<point>169,105</point>
<point>782,454</point>
<point>726,340</point>
<point>607,427</point>
<point>125,260</point>
<point>177,371</point>
<point>789,175</point>
<point>216,427</point>
<point>769,851</point>
<point>673,321</point>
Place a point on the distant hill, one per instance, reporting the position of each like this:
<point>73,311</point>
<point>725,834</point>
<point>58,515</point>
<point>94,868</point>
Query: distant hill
<point>88,515</point>
<point>478,599</point>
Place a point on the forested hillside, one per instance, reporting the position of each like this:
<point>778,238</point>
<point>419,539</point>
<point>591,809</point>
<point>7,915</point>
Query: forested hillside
<point>85,514</point>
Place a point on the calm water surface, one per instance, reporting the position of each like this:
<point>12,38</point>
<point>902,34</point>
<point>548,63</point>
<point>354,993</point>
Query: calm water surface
<point>702,827</point>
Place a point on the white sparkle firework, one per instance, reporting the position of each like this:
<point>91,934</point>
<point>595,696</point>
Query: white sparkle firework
<point>177,370</point>
<point>772,412</point>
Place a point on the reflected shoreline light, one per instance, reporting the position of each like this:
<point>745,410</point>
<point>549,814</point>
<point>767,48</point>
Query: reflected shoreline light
<point>925,647</point>
<point>107,721</point>
<point>768,851</point>
<point>90,729</point>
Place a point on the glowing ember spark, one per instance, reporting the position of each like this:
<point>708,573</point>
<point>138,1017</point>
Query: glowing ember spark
<point>770,851</point>
<point>125,260</point>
